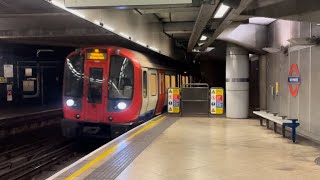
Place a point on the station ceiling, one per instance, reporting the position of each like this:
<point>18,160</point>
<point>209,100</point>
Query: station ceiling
<point>184,21</point>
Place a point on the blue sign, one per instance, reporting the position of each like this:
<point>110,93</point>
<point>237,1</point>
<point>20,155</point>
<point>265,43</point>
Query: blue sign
<point>294,80</point>
<point>213,104</point>
<point>219,104</point>
<point>170,102</point>
<point>176,103</point>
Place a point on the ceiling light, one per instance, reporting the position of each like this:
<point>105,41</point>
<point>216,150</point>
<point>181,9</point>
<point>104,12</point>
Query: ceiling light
<point>153,48</point>
<point>195,50</point>
<point>221,11</point>
<point>141,43</point>
<point>108,28</point>
<point>124,35</point>
<point>261,20</point>
<point>209,49</point>
<point>203,38</point>
<point>200,44</point>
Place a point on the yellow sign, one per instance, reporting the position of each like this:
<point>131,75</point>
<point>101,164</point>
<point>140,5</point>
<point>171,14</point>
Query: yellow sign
<point>277,88</point>
<point>3,80</point>
<point>174,100</point>
<point>217,101</point>
<point>96,54</point>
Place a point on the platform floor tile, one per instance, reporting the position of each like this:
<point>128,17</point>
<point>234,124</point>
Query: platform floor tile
<point>223,149</point>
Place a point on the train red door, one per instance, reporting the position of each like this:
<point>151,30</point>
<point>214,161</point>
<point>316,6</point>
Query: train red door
<point>161,92</point>
<point>95,101</point>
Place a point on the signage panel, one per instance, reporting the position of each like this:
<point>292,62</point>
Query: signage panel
<point>294,80</point>
<point>174,100</point>
<point>96,54</point>
<point>216,100</point>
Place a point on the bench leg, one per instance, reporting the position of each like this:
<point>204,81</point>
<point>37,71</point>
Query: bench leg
<point>267,121</point>
<point>261,121</point>
<point>275,127</point>
<point>283,131</point>
<point>294,134</point>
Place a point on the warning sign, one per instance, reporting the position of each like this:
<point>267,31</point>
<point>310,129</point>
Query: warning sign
<point>216,101</point>
<point>174,100</point>
<point>9,92</point>
<point>3,80</point>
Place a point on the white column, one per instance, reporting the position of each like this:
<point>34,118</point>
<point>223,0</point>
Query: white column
<point>237,82</point>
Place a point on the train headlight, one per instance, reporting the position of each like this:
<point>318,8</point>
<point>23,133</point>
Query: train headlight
<point>121,105</point>
<point>70,102</point>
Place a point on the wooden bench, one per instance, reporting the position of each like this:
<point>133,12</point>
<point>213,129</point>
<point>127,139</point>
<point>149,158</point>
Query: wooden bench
<point>281,120</point>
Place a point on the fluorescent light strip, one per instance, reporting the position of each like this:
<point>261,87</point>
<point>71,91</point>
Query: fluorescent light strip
<point>141,43</point>
<point>221,11</point>
<point>203,38</point>
<point>153,48</point>
<point>124,35</point>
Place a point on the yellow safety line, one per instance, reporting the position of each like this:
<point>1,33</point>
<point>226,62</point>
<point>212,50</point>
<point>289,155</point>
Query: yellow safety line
<point>112,149</point>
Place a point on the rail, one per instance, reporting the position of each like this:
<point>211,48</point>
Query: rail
<point>18,124</point>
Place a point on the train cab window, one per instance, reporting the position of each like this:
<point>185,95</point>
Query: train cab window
<point>121,78</point>
<point>153,84</point>
<point>73,76</point>
<point>95,85</point>
<point>145,85</point>
<point>173,81</point>
<point>167,82</point>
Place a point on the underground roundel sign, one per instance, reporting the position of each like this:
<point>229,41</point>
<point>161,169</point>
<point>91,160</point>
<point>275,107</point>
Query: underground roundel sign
<point>294,79</point>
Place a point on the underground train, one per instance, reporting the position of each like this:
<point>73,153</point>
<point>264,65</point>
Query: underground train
<point>108,90</point>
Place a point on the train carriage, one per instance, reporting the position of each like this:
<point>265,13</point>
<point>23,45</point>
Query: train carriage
<point>109,89</point>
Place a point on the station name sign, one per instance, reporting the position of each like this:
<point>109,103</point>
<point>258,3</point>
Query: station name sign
<point>96,54</point>
<point>294,79</point>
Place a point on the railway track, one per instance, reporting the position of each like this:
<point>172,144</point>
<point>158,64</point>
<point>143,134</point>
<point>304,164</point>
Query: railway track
<point>26,161</point>
<point>19,124</point>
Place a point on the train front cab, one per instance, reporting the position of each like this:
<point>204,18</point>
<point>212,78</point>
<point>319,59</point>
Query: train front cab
<point>101,91</point>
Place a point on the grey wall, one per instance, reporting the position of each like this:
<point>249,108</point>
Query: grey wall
<point>305,106</point>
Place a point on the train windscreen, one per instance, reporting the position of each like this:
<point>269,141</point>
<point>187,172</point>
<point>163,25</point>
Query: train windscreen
<point>95,85</point>
<point>121,78</point>
<point>73,76</point>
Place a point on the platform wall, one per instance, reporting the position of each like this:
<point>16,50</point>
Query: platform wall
<point>305,106</point>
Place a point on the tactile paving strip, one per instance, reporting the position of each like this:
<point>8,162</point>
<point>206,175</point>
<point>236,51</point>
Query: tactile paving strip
<point>115,165</point>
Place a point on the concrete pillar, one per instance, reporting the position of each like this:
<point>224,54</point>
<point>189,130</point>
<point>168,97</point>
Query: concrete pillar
<point>237,82</point>
<point>263,82</point>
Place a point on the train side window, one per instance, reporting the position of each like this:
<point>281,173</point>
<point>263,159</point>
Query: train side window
<point>145,87</point>
<point>187,79</point>
<point>153,84</point>
<point>161,83</point>
<point>173,81</point>
<point>167,82</point>
<point>183,81</point>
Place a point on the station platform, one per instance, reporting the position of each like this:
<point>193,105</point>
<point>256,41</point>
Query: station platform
<point>9,112</point>
<point>198,149</point>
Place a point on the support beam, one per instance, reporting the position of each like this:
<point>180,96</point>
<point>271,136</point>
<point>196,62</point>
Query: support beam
<point>123,3</point>
<point>169,10</point>
<point>177,28</point>
<point>33,15</point>
<point>226,22</point>
<point>42,33</point>
<point>204,16</point>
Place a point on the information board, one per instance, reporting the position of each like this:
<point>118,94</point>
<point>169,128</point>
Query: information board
<point>8,70</point>
<point>216,100</point>
<point>174,100</point>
